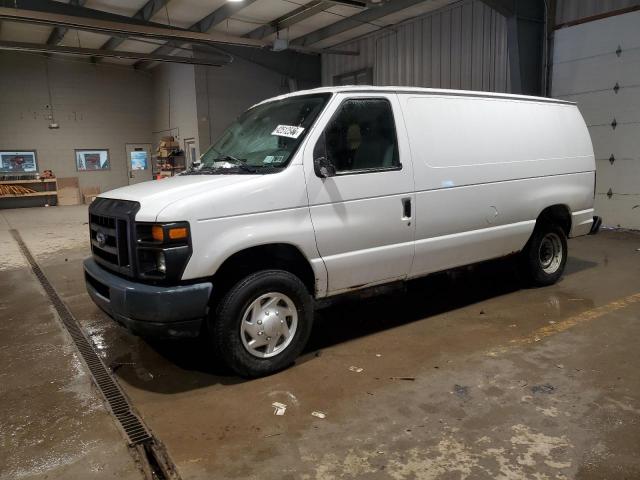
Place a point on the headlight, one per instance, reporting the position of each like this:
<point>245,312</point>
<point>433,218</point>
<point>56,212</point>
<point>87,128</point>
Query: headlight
<point>162,250</point>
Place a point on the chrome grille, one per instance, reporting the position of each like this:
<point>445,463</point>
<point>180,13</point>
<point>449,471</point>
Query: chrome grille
<point>105,233</point>
<point>111,233</point>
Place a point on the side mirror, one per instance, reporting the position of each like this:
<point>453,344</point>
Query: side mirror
<point>322,166</point>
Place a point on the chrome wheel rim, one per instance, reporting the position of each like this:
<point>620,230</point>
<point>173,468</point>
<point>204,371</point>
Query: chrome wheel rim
<point>269,324</point>
<point>550,253</point>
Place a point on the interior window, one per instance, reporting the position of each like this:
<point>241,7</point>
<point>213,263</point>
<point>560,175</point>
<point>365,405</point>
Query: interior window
<point>362,136</point>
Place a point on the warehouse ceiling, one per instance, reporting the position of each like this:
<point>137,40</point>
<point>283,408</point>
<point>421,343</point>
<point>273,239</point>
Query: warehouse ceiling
<point>307,26</point>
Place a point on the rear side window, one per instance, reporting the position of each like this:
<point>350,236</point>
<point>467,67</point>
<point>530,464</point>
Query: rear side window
<point>362,136</point>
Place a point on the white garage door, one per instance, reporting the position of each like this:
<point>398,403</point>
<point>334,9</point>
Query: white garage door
<point>597,65</point>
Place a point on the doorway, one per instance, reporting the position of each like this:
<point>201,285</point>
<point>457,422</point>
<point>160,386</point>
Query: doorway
<point>190,151</point>
<point>139,162</point>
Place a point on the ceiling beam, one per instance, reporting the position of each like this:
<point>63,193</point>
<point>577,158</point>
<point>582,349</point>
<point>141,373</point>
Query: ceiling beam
<point>365,17</point>
<point>210,61</point>
<point>125,28</point>
<point>220,15</point>
<point>74,9</point>
<point>145,13</point>
<point>58,33</point>
<point>288,63</point>
<point>299,14</point>
<point>203,25</point>
<point>351,3</point>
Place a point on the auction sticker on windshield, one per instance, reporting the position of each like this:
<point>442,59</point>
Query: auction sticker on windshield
<point>290,131</point>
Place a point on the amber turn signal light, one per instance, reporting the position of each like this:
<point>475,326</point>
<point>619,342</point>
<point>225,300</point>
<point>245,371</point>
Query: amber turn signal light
<point>177,233</point>
<point>161,233</point>
<point>157,233</point>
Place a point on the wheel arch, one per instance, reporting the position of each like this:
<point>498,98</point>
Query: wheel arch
<point>558,214</point>
<point>281,256</point>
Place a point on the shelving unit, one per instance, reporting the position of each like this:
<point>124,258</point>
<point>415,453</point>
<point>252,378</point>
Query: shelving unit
<point>45,187</point>
<point>169,166</point>
<point>34,194</point>
<point>42,180</point>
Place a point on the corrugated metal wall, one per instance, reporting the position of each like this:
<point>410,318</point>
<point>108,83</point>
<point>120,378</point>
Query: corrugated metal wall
<point>461,46</point>
<point>570,10</point>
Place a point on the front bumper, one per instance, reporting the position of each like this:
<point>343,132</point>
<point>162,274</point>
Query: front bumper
<point>149,310</point>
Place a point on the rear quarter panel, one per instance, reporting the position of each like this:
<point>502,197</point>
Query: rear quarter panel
<point>484,170</point>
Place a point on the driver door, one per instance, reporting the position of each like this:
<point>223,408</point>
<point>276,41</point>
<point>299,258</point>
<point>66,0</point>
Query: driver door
<point>362,216</point>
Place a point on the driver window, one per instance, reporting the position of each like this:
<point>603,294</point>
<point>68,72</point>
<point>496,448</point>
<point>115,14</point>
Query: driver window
<point>362,136</point>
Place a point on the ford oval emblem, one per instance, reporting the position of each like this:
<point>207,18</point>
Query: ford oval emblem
<point>101,238</point>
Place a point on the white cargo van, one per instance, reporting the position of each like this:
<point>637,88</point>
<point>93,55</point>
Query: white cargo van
<point>328,191</point>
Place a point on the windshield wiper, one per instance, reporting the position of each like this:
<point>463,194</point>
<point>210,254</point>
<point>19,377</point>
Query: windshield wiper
<point>241,163</point>
<point>211,169</point>
<point>246,168</point>
<point>230,158</point>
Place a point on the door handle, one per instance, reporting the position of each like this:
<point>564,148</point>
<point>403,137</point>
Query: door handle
<point>406,208</point>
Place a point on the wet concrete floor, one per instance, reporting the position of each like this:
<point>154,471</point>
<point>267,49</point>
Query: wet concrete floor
<point>53,423</point>
<point>465,375</point>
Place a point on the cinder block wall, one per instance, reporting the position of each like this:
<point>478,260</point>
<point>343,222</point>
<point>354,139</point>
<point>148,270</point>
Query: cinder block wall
<point>96,106</point>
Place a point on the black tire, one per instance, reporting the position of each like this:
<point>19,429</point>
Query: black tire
<point>534,258</point>
<point>225,323</point>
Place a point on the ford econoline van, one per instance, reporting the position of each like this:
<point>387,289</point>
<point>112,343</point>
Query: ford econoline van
<point>332,190</point>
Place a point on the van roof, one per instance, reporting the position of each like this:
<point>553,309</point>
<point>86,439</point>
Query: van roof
<point>418,90</point>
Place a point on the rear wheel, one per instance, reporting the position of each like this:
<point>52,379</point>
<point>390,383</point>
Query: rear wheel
<point>545,255</point>
<point>262,324</point>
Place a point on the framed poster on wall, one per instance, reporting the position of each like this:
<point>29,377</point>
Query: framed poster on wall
<point>92,160</point>
<point>18,161</point>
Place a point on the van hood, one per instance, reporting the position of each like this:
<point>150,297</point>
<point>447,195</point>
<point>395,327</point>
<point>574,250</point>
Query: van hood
<point>155,195</point>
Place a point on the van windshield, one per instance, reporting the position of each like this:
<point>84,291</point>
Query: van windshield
<point>264,138</point>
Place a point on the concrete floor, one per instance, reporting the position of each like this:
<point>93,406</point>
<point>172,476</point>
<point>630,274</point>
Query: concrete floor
<point>465,375</point>
<point>53,423</point>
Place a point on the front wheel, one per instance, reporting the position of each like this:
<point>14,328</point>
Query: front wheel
<point>545,255</point>
<point>262,323</point>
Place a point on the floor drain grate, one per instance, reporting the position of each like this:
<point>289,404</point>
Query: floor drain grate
<point>135,430</point>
